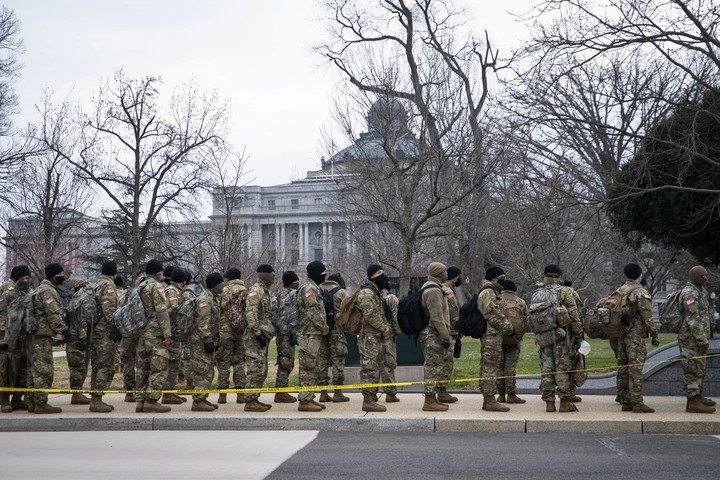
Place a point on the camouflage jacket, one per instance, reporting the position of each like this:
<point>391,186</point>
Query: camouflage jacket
<point>278,305</point>
<point>230,289</point>
<point>371,306</point>
<point>453,308</point>
<point>207,314</point>
<point>107,299</point>
<point>18,305</point>
<point>258,311</point>
<point>48,311</point>
<point>153,297</point>
<point>174,297</point>
<point>640,303</point>
<point>566,297</point>
<point>5,291</point>
<point>492,306</point>
<point>312,310</point>
<point>696,313</point>
<point>435,304</point>
<point>339,296</point>
<point>391,311</point>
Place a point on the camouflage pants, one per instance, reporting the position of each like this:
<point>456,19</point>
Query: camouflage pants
<point>629,351</point>
<point>20,363</point>
<point>76,349</point>
<point>185,367</point>
<point>176,351</point>
<point>102,354</point>
<point>42,366</point>
<point>285,360</point>
<point>256,364</point>
<point>694,370</point>
<point>6,378</point>
<point>311,351</point>
<point>437,359</point>
<point>372,358</point>
<point>337,353</point>
<point>231,355</point>
<point>152,363</point>
<point>491,353</point>
<point>555,358</point>
<point>128,355</point>
<point>387,368</point>
<point>508,368</point>
<point>202,367</point>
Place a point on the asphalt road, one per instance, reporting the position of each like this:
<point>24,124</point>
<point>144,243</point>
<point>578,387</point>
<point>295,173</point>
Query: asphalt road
<point>380,455</point>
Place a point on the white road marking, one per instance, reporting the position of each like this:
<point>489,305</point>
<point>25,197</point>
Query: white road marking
<point>609,443</point>
<point>148,454</point>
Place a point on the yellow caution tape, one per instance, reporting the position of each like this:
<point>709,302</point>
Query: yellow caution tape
<point>356,386</point>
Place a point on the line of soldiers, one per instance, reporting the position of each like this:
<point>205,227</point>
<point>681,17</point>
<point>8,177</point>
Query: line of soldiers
<point>153,359</point>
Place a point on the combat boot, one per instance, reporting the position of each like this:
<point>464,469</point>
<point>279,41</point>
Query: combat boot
<point>5,403</point>
<point>391,398</point>
<point>445,397</point>
<point>30,403</point>
<point>491,405</point>
<point>319,404</point>
<point>432,405</point>
<point>575,399</point>
<point>17,402</point>
<point>324,397</point>
<point>627,407</point>
<point>567,406</point>
<point>222,398</point>
<point>370,405</point>
<point>267,405</point>
<point>152,406</point>
<point>705,401</point>
<point>549,407</point>
<point>695,405</point>
<point>139,406</point>
<point>241,398</point>
<point>309,407</point>
<point>512,398</point>
<point>642,408</point>
<point>283,397</point>
<point>46,408</point>
<point>215,406</point>
<point>79,399</point>
<point>201,406</point>
<point>130,398</point>
<point>501,398</point>
<point>98,406</point>
<point>338,397</point>
<point>618,399</point>
<point>255,406</point>
<point>171,399</point>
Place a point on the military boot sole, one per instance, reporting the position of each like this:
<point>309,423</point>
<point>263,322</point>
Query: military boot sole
<point>155,407</point>
<point>101,408</point>
<point>707,402</point>
<point>201,407</point>
<point>309,407</point>
<point>47,409</point>
<point>435,408</point>
<point>374,408</point>
<point>567,407</point>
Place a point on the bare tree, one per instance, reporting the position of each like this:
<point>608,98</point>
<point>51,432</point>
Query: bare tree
<point>148,161</point>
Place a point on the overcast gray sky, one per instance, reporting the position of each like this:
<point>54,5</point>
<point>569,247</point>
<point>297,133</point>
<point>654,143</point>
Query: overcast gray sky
<point>256,54</point>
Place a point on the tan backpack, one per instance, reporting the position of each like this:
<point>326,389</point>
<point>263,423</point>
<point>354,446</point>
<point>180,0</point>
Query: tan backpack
<point>610,310</point>
<point>516,317</point>
<point>238,322</point>
<point>349,318</point>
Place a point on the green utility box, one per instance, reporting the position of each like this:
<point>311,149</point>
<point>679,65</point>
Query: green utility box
<point>409,351</point>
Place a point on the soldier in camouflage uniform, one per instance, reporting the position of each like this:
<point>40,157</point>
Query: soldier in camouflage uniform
<point>204,340</point>
<point>76,344</point>
<point>174,296</point>
<point>567,285</point>
<point>49,328</point>
<point>102,353</point>
<point>153,358</point>
<point>258,334</point>
<point>454,280</point>
<point>285,343</point>
<point>694,336</point>
<point>16,340</point>
<point>492,307</point>
<point>630,347</point>
<point>435,338</point>
<point>375,328</point>
<point>231,353</point>
<point>6,377</point>
<point>558,356</point>
<point>313,325</point>
<point>387,369</point>
<point>511,345</point>
<point>336,343</point>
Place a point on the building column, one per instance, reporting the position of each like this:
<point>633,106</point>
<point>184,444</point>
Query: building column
<point>306,239</point>
<point>277,241</point>
<point>282,242</point>
<point>330,242</point>
<point>324,240</point>
<point>301,243</point>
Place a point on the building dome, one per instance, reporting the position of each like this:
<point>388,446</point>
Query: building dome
<point>387,116</point>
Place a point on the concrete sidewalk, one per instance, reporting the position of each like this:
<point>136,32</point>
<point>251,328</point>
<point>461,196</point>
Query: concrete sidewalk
<point>598,414</point>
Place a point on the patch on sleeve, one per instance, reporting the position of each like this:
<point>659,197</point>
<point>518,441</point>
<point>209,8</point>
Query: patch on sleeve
<point>252,294</point>
<point>647,295</point>
<point>690,301</point>
<point>308,294</point>
<point>110,290</point>
<point>50,300</point>
<point>172,298</point>
<point>202,304</point>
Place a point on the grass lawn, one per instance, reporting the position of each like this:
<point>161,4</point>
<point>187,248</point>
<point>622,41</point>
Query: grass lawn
<point>468,366</point>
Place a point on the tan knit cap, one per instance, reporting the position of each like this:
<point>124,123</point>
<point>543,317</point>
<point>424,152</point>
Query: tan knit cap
<point>435,269</point>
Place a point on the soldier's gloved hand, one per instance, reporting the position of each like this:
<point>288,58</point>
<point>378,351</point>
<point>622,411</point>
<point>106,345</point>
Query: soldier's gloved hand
<point>4,347</point>
<point>115,335</point>
<point>576,344</point>
<point>209,347</point>
<point>625,320</point>
<point>655,341</point>
<point>446,344</point>
<point>704,349</point>
<point>293,340</point>
<point>261,340</point>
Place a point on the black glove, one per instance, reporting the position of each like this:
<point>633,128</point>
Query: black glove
<point>115,335</point>
<point>262,340</point>
<point>293,340</point>
<point>446,345</point>
<point>4,347</point>
<point>625,320</point>
<point>576,344</point>
<point>209,348</point>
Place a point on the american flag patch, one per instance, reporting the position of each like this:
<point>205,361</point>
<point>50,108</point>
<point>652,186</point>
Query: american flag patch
<point>690,301</point>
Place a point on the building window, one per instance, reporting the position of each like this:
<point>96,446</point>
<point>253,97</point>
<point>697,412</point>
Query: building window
<point>318,201</point>
<point>295,203</point>
<point>271,204</point>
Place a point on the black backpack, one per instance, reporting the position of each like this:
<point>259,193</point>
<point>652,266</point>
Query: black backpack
<point>411,316</point>
<point>330,306</point>
<point>471,322</point>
